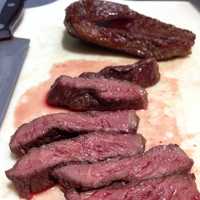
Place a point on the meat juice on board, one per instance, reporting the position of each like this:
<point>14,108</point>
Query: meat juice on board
<point>160,100</point>
<point>159,108</point>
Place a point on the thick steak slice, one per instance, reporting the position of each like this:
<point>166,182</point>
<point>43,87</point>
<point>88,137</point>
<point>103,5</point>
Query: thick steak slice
<point>177,187</point>
<point>117,27</point>
<point>54,127</point>
<point>157,162</point>
<point>144,73</point>
<point>31,173</point>
<point>82,94</point>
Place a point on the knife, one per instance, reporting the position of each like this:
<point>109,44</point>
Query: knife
<point>36,3</point>
<point>12,52</point>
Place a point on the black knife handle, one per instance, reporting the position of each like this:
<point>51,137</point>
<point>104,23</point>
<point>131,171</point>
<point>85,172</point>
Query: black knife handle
<point>9,16</point>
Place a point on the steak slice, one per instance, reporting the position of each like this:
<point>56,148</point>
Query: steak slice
<point>177,187</point>
<point>31,173</point>
<point>117,27</point>
<point>82,94</point>
<point>159,161</point>
<point>54,127</point>
<point>144,73</point>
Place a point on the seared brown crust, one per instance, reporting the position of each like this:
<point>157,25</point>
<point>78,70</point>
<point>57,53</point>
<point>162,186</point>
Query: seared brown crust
<point>82,94</point>
<point>117,27</point>
<point>144,73</point>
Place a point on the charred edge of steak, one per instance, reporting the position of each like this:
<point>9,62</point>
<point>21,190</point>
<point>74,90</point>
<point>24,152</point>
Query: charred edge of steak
<point>144,73</point>
<point>159,161</point>
<point>172,187</point>
<point>54,127</point>
<point>82,94</point>
<point>117,27</point>
<point>38,163</point>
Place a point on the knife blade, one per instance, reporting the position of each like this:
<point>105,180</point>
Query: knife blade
<point>13,52</point>
<point>36,3</point>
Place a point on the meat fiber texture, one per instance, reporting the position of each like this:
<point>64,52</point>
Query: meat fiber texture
<point>38,164</point>
<point>117,27</point>
<point>82,94</point>
<point>49,128</point>
<point>177,187</point>
<point>159,161</point>
<point>144,73</point>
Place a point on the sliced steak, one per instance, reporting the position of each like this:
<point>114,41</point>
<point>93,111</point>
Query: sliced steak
<point>157,162</point>
<point>117,27</point>
<point>144,73</point>
<point>82,94</point>
<point>31,173</point>
<point>177,187</point>
<point>54,127</point>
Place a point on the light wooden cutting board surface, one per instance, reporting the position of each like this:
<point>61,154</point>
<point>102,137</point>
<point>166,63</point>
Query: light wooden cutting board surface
<point>174,103</point>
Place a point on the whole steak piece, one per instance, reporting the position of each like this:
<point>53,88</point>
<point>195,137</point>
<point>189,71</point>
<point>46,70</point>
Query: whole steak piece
<point>82,94</point>
<point>117,27</point>
<point>159,161</point>
<point>32,172</point>
<point>177,187</point>
<point>53,127</point>
<point>144,73</point>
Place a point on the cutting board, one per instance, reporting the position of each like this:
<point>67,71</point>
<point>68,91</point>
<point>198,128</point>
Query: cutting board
<point>173,112</point>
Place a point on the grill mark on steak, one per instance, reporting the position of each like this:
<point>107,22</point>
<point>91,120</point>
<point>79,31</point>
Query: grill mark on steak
<point>176,187</point>
<point>38,163</point>
<point>82,94</point>
<point>144,73</point>
<point>117,27</point>
<point>49,128</point>
<point>159,161</point>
